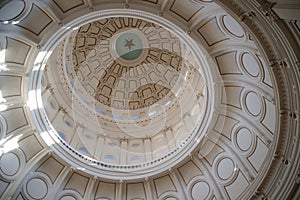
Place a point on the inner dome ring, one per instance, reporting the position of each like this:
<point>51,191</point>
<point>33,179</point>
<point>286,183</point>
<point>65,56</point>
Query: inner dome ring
<point>50,129</point>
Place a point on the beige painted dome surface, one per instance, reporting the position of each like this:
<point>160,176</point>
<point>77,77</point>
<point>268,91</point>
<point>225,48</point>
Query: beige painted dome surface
<point>132,82</point>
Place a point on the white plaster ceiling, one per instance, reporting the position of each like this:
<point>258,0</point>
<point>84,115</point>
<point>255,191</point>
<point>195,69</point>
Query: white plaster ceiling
<point>244,127</point>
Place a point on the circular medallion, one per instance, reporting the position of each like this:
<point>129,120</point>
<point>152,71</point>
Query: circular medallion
<point>9,164</point>
<point>129,46</point>
<point>37,188</point>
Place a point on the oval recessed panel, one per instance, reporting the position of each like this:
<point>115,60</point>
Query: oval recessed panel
<point>37,188</point>
<point>251,65</point>
<point>9,164</point>
<point>200,191</point>
<point>253,103</point>
<point>225,168</point>
<point>67,198</point>
<point>244,139</point>
<point>11,10</point>
<point>233,26</point>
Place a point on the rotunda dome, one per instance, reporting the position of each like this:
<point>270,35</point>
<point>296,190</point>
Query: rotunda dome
<point>125,81</point>
<point>148,99</point>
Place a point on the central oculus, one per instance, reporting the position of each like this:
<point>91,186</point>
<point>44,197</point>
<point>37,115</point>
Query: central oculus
<point>129,46</point>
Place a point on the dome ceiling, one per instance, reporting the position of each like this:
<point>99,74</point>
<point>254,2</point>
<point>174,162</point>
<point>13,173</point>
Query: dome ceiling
<point>122,103</point>
<point>126,63</point>
<point>147,99</point>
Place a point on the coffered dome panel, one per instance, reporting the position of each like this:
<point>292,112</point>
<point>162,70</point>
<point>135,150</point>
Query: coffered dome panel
<point>131,63</point>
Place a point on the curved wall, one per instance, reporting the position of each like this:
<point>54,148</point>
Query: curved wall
<point>250,149</point>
